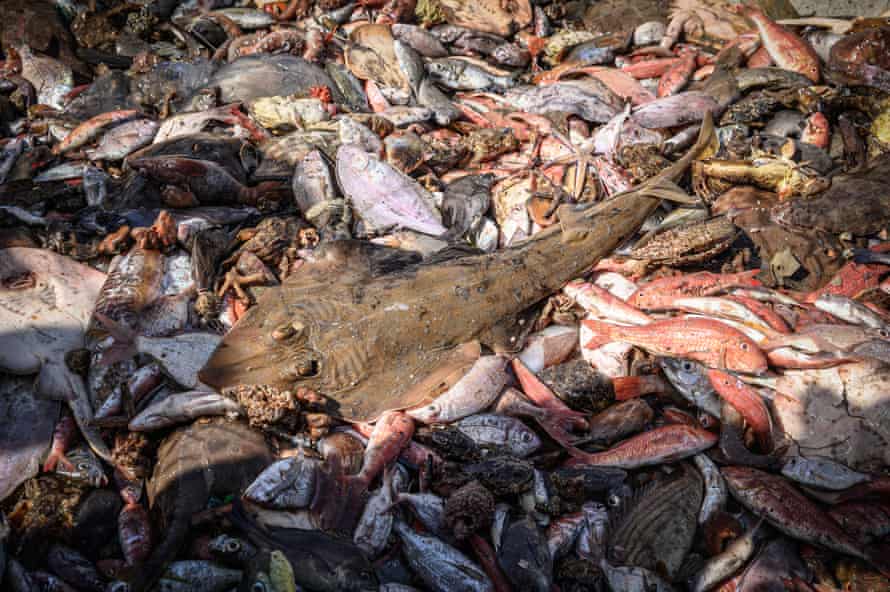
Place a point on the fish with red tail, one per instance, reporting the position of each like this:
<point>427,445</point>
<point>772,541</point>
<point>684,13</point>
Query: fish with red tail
<point>787,50</point>
<point>391,433</point>
<point>661,445</point>
<point>788,510</point>
<point>661,292</point>
<point>63,435</point>
<point>710,342</point>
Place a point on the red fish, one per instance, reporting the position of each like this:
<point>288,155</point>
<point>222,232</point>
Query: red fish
<point>661,445</point>
<point>850,280</point>
<point>659,293</point>
<point>710,342</point>
<point>391,433</point>
<point>786,49</point>
<point>760,58</point>
<point>677,76</point>
<point>764,312</point>
<point>747,401</point>
<point>542,396</point>
<point>92,127</point>
<point>817,131</point>
<point>650,68</point>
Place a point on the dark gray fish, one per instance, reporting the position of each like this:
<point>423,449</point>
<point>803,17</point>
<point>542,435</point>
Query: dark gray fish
<point>525,557</point>
<point>74,568</point>
<point>444,111</point>
<point>254,76</point>
<point>465,202</point>
<point>691,380</point>
<point>109,92</point>
<point>441,567</point>
<point>657,528</point>
<point>18,579</point>
<point>237,157</point>
<point>180,78</point>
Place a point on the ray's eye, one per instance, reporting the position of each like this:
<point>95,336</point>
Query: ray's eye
<point>288,330</point>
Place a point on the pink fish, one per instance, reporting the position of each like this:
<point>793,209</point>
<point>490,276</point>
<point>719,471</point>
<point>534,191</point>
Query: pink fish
<point>786,49</point>
<point>661,445</point>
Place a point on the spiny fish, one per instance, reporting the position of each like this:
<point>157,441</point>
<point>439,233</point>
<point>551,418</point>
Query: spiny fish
<point>657,528</point>
<point>708,341</point>
<point>366,342</point>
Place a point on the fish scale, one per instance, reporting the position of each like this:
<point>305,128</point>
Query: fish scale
<point>659,524</point>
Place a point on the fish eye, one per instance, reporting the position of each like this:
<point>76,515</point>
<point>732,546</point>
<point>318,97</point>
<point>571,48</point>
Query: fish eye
<point>884,333</point>
<point>233,545</point>
<point>687,366</point>
<point>82,466</point>
<point>282,332</point>
<point>613,500</point>
<point>526,437</point>
<point>258,587</point>
<point>743,346</point>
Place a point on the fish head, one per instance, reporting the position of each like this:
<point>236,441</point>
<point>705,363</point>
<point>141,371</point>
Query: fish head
<point>742,354</point>
<point>524,441</point>
<point>687,376</point>
<point>85,466</point>
<point>270,572</point>
<point>267,346</point>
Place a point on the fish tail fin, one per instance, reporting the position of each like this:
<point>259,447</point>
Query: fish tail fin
<point>57,458</point>
<point>602,333</point>
<point>631,387</point>
<point>124,345</point>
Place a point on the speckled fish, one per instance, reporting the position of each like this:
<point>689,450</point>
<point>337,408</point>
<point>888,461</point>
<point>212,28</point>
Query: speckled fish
<point>460,74</point>
<point>45,305</point>
<point>180,408</point>
<point>788,510</point>
<point>85,466</point>
<point>126,138</point>
<point>133,283</point>
<point>441,567</point>
<point>286,484</point>
<point>823,473</point>
<point>335,332</point>
<point>499,431</point>
<point>691,380</point>
<point>786,49</point>
<point>383,196</point>
<point>195,575</point>
<point>707,341</point>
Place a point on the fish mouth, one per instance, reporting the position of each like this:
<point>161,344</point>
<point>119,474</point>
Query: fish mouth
<point>243,357</point>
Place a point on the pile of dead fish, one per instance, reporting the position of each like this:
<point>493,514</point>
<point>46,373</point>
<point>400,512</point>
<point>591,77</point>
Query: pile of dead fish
<point>443,295</point>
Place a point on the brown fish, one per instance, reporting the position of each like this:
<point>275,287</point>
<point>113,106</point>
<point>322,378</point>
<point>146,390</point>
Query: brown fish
<point>366,340</point>
<point>661,445</point>
<point>791,512</point>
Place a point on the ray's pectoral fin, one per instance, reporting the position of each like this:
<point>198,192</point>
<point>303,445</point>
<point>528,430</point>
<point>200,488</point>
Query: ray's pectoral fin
<point>406,382</point>
<point>509,335</point>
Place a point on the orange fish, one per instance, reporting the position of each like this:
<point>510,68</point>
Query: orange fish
<point>710,342</point>
<point>764,312</point>
<point>542,396</point>
<point>850,280</point>
<point>650,68</point>
<point>760,58</point>
<point>661,292</point>
<point>786,49</point>
<point>661,445</point>
<point>391,433</point>
<point>748,402</point>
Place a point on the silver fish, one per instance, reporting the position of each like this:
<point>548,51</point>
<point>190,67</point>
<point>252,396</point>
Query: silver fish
<point>120,141</point>
<point>500,432</point>
<point>498,523</point>
<point>444,111</point>
<point>823,473</point>
<point>286,484</point>
<point>441,567</point>
<point>851,311</point>
<point>471,394</point>
<point>383,196</point>
<point>247,18</point>
<point>726,564</point>
<point>181,408</point>
<point>596,107</point>
<point>715,488</point>
<point>691,380</point>
<point>312,182</point>
<point>85,466</point>
<point>460,74</point>
<point>593,538</point>
<point>9,155</point>
<point>375,524</point>
<point>429,509</point>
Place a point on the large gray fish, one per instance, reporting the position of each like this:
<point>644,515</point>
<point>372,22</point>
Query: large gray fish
<point>180,408</point>
<point>370,342</point>
<point>441,567</point>
<point>596,107</point>
<point>286,484</point>
<point>46,301</point>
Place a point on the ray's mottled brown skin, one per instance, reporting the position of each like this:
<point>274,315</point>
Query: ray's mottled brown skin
<point>365,340</point>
